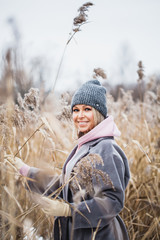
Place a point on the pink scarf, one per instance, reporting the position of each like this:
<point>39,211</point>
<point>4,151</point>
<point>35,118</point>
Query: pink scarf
<point>107,128</point>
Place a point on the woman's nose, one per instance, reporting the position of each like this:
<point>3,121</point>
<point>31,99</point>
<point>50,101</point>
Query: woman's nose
<point>81,114</point>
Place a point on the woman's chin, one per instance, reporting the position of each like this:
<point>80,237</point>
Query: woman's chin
<point>84,131</point>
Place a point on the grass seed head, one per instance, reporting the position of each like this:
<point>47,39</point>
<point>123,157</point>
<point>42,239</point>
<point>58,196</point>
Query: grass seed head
<point>85,171</point>
<point>82,17</point>
<point>99,72</point>
<point>140,71</point>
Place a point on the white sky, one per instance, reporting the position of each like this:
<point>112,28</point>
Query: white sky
<point>114,26</point>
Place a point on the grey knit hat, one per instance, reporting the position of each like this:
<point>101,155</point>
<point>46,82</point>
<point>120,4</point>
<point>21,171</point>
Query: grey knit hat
<point>91,93</point>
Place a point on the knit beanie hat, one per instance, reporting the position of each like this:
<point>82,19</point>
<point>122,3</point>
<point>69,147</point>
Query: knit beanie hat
<point>91,93</point>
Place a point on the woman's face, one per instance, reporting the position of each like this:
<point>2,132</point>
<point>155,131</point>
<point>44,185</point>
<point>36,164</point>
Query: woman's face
<point>83,118</point>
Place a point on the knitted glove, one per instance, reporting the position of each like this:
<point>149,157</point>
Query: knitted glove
<point>55,208</point>
<point>15,161</point>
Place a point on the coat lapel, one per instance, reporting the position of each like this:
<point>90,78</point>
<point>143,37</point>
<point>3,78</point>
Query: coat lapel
<point>69,166</point>
<point>72,160</point>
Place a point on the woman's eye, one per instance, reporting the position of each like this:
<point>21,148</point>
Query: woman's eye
<point>87,109</point>
<point>75,110</point>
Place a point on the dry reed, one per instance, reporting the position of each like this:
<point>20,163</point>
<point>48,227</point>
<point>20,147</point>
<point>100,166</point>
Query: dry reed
<point>48,147</point>
<point>43,138</point>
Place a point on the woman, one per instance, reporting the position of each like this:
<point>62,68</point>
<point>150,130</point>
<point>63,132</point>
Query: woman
<point>96,170</point>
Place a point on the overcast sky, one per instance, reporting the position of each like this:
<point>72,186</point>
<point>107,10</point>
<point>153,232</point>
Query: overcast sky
<point>118,35</point>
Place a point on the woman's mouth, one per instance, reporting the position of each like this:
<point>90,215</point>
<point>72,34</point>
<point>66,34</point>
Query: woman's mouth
<point>82,123</point>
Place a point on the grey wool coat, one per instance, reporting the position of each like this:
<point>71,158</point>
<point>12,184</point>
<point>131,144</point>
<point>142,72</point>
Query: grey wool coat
<point>102,220</point>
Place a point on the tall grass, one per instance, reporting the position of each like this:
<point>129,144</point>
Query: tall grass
<point>41,135</point>
<point>43,138</point>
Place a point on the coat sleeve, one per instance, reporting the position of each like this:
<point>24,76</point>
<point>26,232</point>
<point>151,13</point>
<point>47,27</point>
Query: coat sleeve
<point>109,202</point>
<point>40,182</point>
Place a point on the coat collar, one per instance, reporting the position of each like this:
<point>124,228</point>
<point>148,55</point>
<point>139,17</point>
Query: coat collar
<point>71,161</point>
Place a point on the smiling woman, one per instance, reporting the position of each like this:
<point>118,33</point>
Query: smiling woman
<point>96,172</point>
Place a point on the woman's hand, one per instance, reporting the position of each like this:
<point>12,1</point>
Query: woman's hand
<point>15,161</point>
<point>53,207</point>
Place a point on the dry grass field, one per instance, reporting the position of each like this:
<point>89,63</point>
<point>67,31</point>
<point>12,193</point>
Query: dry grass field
<point>40,133</point>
